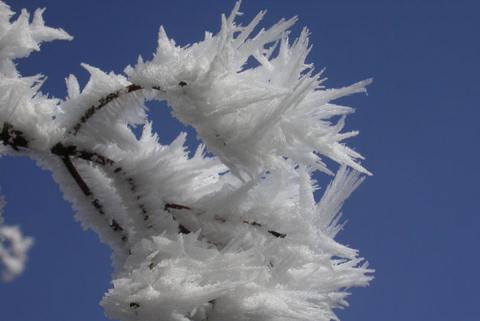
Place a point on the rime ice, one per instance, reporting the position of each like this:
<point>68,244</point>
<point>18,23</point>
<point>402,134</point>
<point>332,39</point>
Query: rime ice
<point>13,249</point>
<point>234,236</point>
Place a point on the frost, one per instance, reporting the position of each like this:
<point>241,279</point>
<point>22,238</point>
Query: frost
<point>229,232</point>
<point>13,249</point>
<point>2,205</point>
<point>252,118</point>
<point>14,255</point>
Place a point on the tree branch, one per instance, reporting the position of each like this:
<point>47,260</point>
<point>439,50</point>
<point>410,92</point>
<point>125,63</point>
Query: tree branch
<point>16,139</point>
<point>115,226</point>
<point>102,102</point>
<point>71,150</point>
<point>13,137</point>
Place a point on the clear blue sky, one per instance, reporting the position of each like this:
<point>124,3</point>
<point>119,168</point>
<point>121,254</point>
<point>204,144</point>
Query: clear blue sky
<point>416,220</point>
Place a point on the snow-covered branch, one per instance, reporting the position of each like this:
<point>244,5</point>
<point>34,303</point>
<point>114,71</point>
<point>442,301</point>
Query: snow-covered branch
<point>237,235</point>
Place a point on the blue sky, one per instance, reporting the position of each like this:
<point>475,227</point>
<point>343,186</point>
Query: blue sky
<point>416,220</point>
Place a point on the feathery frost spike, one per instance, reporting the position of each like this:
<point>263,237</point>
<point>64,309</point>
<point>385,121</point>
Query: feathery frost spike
<point>241,111</point>
<point>231,231</point>
<point>73,87</point>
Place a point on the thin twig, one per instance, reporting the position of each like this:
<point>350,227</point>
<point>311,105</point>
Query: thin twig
<point>274,233</point>
<point>13,137</point>
<point>102,102</point>
<point>72,170</point>
<point>96,158</point>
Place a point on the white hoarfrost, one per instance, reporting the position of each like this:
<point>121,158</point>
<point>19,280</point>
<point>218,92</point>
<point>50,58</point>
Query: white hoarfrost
<point>13,249</point>
<point>232,234</point>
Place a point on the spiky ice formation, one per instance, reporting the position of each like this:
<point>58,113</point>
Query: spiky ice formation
<point>252,116</point>
<point>234,236</point>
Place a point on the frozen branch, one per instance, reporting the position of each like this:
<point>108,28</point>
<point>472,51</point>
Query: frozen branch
<point>232,233</point>
<point>102,102</point>
<point>13,137</point>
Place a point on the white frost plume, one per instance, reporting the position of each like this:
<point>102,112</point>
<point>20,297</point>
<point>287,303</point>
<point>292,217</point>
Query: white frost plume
<point>21,102</point>
<point>20,38</point>
<point>232,232</point>
<point>254,272</point>
<point>13,251</point>
<point>252,98</point>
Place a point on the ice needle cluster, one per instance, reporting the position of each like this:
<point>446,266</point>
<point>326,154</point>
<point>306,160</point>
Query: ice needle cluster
<point>233,234</point>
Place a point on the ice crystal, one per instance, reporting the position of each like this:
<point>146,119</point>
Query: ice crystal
<point>233,234</point>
